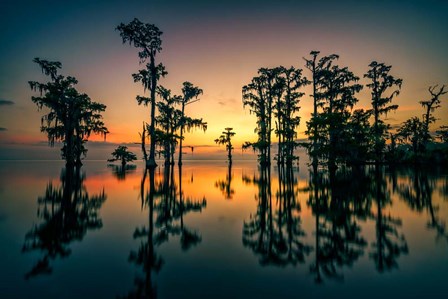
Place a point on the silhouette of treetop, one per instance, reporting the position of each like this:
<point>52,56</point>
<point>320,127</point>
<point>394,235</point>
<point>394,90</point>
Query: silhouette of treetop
<point>143,36</point>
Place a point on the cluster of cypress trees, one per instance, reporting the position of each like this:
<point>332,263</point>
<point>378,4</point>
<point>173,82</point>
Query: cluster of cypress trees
<point>338,133</point>
<point>165,129</point>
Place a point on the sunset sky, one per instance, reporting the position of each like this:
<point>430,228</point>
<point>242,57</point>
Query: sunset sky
<point>216,45</point>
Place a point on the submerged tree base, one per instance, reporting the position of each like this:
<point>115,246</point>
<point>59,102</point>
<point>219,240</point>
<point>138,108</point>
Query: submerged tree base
<point>151,164</point>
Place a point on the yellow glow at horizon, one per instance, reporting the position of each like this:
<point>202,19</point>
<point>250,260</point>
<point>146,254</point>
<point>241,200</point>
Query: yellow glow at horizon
<point>230,113</point>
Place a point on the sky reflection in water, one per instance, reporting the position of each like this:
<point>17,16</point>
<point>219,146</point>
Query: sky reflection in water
<point>238,232</point>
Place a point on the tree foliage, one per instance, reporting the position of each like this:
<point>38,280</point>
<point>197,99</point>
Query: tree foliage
<point>334,96</point>
<point>287,106</point>
<point>430,106</point>
<point>122,154</point>
<point>190,94</point>
<point>72,116</point>
<point>147,38</point>
<point>255,97</point>
<point>168,122</point>
<point>442,133</point>
<point>384,87</point>
<point>275,93</point>
<point>226,139</point>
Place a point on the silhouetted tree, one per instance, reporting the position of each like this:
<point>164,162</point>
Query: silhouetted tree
<point>122,154</point>
<point>144,76</point>
<point>416,131</point>
<point>168,122</point>
<point>259,96</point>
<point>146,37</point>
<point>339,93</point>
<point>143,141</point>
<point>72,116</point>
<point>381,83</point>
<point>429,106</point>
<point>226,139</point>
<point>442,133</point>
<point>253,97</point>
<point>413,130</point>
<point>315,125</point>
<point>190,94</point>
<point>287,85</point>
<point>357,141</point>
<point>335,95</point>
<point>67,213</point>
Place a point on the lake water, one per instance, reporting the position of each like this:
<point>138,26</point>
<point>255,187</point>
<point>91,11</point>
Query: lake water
<point>220,232</point>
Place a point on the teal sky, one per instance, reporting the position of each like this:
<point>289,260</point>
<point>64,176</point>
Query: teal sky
<point>217,45</point>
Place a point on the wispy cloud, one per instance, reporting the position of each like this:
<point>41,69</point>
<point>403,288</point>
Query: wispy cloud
<point>391,119</point>
<point>202,145</point>
<point>395,126</point>
<point>4,102</point>
<point>225,102</point>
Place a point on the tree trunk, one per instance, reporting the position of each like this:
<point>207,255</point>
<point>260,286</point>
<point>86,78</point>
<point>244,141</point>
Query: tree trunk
<point>181,132</point>
<point>314,112</point>
<point>145,155</point>
<point>151,162</point>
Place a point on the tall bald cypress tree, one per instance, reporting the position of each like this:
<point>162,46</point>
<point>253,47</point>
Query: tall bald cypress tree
<point>384,87</point>
<point>146,37</point>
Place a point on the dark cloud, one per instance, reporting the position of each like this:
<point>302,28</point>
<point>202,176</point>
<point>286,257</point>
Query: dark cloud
<point>3,129</point>
<point>4,102</point>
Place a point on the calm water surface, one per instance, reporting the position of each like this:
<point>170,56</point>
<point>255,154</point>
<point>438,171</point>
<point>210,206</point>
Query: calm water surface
<point>219,232</point>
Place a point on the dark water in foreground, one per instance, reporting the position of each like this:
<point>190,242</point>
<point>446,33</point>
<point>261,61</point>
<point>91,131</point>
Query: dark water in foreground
<point>221,233</point>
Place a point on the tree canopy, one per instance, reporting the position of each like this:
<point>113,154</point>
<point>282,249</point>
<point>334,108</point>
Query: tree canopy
<point>72,116</point>
<point>122,154</point>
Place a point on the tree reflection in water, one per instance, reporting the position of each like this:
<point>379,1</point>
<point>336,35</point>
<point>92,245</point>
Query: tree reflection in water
<point>389,244</point>
<point>341,200</point>
<point>417,190</point>
<point>337,201</point>
<point>274,232</point>
<point>120,171</point>
<point>167,207</point>
<point>67,213</point>
<point>225,186</point>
